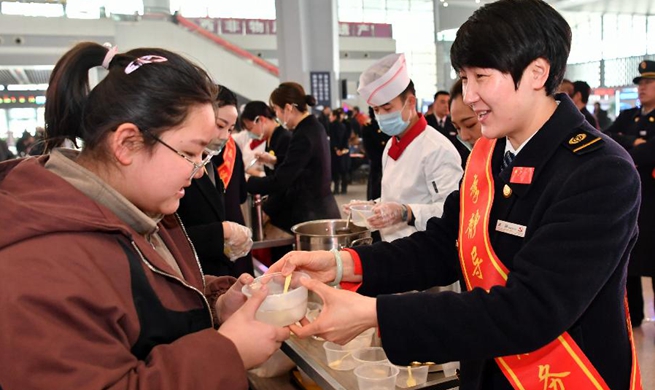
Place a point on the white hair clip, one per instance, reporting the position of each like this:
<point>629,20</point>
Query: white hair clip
<point>139,62</point>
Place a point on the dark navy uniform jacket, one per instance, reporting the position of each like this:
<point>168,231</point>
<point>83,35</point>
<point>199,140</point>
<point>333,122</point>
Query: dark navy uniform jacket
<point>567,273</point>
<point>303,180</point>
<point>629,126</point>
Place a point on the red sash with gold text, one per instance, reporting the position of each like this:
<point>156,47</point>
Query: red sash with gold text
<point>229,157</point>
<point>559,365</point>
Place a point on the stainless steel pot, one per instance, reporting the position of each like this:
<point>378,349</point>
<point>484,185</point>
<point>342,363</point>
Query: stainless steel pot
<point>322,235</point>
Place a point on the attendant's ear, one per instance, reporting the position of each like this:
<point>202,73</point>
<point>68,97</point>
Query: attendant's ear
<point>125,142</point>
<point>539,71</point>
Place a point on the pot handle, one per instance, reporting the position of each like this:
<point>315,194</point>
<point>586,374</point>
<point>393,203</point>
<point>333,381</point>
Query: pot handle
<point>361,241</point>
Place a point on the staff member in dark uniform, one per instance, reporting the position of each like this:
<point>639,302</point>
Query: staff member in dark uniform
<point>258,118</point>
<point>222,246</point>
<point>302,181</point>
<point>540,239</point>
<point>634,129</point>
<point>339,137</point>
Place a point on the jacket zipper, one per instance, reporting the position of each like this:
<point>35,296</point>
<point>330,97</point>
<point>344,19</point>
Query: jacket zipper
<point>157,271</point>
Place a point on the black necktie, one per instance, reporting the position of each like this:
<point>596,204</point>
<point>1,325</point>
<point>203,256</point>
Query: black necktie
<point>507,160</point>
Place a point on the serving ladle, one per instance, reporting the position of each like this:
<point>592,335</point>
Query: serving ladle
<point>345,229</point>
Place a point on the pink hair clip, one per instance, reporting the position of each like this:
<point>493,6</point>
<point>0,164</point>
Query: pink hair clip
<point>139,62</point>
<point>111,52</point>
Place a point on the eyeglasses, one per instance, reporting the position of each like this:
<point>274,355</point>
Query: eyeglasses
<point>212,149</point>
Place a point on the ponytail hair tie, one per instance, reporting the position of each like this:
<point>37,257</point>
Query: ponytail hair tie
<point>109,56</point>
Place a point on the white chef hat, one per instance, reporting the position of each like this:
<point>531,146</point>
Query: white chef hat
<point>384,80</point>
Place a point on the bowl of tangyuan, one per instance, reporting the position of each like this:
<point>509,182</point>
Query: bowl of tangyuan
<point>280,308</point>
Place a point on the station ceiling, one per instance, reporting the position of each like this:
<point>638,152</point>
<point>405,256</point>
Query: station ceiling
<point>27,75</point>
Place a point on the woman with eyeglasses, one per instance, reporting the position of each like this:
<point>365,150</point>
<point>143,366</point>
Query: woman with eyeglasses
<point>210,209</point>
<point>99,284</point>
<point>302,182</point>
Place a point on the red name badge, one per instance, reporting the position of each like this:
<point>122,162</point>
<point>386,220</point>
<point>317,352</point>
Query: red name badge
<point>522,175</point>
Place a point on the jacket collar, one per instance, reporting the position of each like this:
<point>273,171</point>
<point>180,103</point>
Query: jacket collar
<point>543,144</point>
<point>398,147</point>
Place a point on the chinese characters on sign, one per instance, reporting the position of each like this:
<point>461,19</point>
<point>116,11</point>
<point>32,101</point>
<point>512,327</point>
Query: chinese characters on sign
<point>320,84</point>
<point>268,27</point>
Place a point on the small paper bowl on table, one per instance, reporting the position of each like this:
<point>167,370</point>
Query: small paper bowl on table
<point>378,376</point>
<point>338,357</point>
<point>279,308</point>
<point>419,373</point>
<point>370,355</point>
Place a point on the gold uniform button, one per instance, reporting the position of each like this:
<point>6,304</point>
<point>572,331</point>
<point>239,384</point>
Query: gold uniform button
<point>507,191</point>
<point>637,119</point>
<point>382,143</point>
<point>651,119</point>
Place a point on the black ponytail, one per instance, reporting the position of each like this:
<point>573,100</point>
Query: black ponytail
<point>68,91</point>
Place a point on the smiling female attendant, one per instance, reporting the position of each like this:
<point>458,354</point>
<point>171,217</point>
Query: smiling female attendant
<point>464,119</point>
<point>259,120</point>
<point>541,241</point>
<point>210,209</point>
<point>100,287</point>
<point>299,187</point>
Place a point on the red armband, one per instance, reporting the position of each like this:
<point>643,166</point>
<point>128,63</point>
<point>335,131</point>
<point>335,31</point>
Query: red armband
<point>357,264</point>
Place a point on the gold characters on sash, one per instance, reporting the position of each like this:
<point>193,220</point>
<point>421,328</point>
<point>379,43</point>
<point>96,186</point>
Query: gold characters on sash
<point>474,190</point>
<point>552,381</point>
<point>523,354</point>
<point>473,224</point>
<point>477,271</point>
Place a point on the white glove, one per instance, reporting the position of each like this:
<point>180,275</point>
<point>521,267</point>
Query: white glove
<point>386,214</point>
<point>267,159</point>
<point>355,202</point>
<point>238,240</point>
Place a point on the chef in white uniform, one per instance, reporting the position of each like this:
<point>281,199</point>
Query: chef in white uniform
<point>420,166</point>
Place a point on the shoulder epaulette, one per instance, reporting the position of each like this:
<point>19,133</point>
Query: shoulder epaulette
<point>582,141</point>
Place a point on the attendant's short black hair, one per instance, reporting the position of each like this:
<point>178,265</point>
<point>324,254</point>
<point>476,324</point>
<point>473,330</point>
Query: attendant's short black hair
<point>508,35</point>
<point>583,88</point>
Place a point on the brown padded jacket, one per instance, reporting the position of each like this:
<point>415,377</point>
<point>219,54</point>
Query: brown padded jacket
<point>87,303</point>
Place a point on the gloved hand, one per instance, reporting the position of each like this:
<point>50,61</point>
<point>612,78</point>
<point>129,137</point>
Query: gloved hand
<point>386,214</point>
<point>267,159</point>
<point>238,240</point>
<point>355,202</point>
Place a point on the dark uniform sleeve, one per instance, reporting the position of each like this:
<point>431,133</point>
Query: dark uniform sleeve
<point>298,156</point>
<point>555,275</point>
<point>619,129</point>
<point>644,154</point>
<point>282,147</point>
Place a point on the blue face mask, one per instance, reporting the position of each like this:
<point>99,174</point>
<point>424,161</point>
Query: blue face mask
<point>392,123</point>
<point>255,136</point>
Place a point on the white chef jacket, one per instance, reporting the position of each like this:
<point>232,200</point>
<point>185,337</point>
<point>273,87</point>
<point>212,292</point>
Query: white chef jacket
<point>428,170</point>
